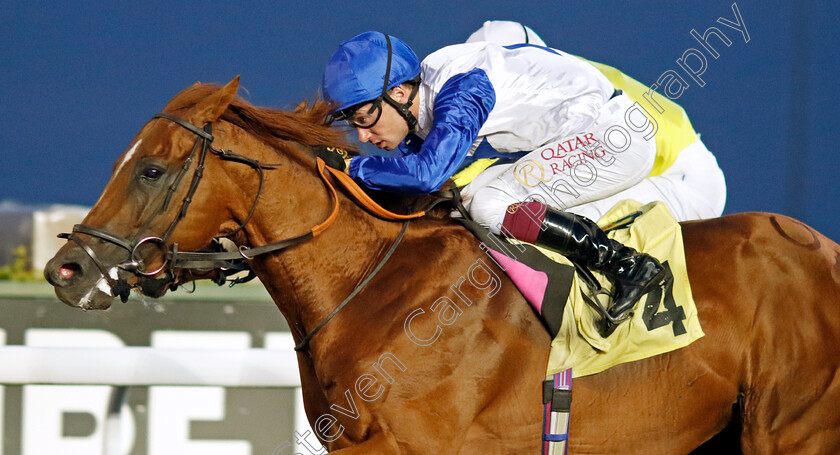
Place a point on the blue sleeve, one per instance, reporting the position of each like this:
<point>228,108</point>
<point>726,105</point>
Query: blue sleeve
<point>460,109</point>
<point>410,145</point>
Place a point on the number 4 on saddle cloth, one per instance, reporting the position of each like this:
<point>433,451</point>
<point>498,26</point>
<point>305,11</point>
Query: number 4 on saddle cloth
<point>664,319</point>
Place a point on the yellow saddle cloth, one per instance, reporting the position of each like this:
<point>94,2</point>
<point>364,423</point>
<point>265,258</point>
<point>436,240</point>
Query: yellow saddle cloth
<point>664,319</point>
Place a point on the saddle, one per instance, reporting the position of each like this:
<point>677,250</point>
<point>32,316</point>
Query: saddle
<point>571,302</point>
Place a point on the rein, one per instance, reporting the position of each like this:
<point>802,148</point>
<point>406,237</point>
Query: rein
<point>176,259</point>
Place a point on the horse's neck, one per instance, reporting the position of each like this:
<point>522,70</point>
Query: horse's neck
<point>313,278</point>
<point>309,280</point>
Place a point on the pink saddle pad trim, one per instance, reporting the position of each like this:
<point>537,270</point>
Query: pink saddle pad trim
<point>532,283</point>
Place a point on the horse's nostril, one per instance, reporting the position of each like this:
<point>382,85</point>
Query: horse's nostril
<point>68,271</point>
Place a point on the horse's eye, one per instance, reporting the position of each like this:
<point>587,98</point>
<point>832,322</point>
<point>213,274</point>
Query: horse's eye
<point>152,173</point>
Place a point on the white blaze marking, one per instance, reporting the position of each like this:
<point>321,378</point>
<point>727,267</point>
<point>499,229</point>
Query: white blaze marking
<point>122,163</point>
<point>128,155</point>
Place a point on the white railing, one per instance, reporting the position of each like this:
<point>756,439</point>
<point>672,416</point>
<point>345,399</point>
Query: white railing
<point>148,366</point>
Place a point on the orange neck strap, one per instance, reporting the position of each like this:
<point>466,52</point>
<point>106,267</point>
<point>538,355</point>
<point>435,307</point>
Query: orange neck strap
<point>357,193</point>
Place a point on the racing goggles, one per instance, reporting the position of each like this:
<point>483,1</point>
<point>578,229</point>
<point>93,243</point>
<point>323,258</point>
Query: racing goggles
<point>358,116</point>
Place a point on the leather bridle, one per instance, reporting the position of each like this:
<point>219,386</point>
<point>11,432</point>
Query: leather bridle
<point>175,259</point>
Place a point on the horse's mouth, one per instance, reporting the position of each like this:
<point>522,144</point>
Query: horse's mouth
<point>78,284</point>
<point>97,297</point>
<point>81,292</point>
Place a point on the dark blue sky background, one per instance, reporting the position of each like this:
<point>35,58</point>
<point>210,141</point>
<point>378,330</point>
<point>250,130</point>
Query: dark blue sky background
<point>78,79</point>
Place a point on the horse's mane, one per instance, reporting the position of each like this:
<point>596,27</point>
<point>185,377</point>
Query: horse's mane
<point>306,125</point>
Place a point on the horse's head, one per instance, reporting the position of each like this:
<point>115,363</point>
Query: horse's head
<point>124,240</point>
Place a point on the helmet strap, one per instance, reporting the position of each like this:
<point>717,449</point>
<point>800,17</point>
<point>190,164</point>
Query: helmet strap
<point>405,108</point>
<point>402,108</point>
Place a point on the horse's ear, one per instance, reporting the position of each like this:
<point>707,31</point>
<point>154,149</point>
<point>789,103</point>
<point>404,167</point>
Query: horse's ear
<point>211,108</point>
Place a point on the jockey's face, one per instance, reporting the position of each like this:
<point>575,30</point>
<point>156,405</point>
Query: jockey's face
<point>391,128</point>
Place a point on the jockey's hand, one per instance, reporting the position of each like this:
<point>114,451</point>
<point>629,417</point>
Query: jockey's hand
<point>335,158</point>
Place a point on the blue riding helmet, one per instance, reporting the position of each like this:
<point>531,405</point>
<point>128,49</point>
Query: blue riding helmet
<point>364,68</point>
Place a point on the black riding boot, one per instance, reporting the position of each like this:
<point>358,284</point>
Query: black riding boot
<point>632,274</point>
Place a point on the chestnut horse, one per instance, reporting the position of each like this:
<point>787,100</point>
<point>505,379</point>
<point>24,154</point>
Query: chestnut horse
<point>767,290</point>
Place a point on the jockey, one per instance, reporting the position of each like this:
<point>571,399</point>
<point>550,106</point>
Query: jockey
<point>685,175</point>
<point>556,130</point>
